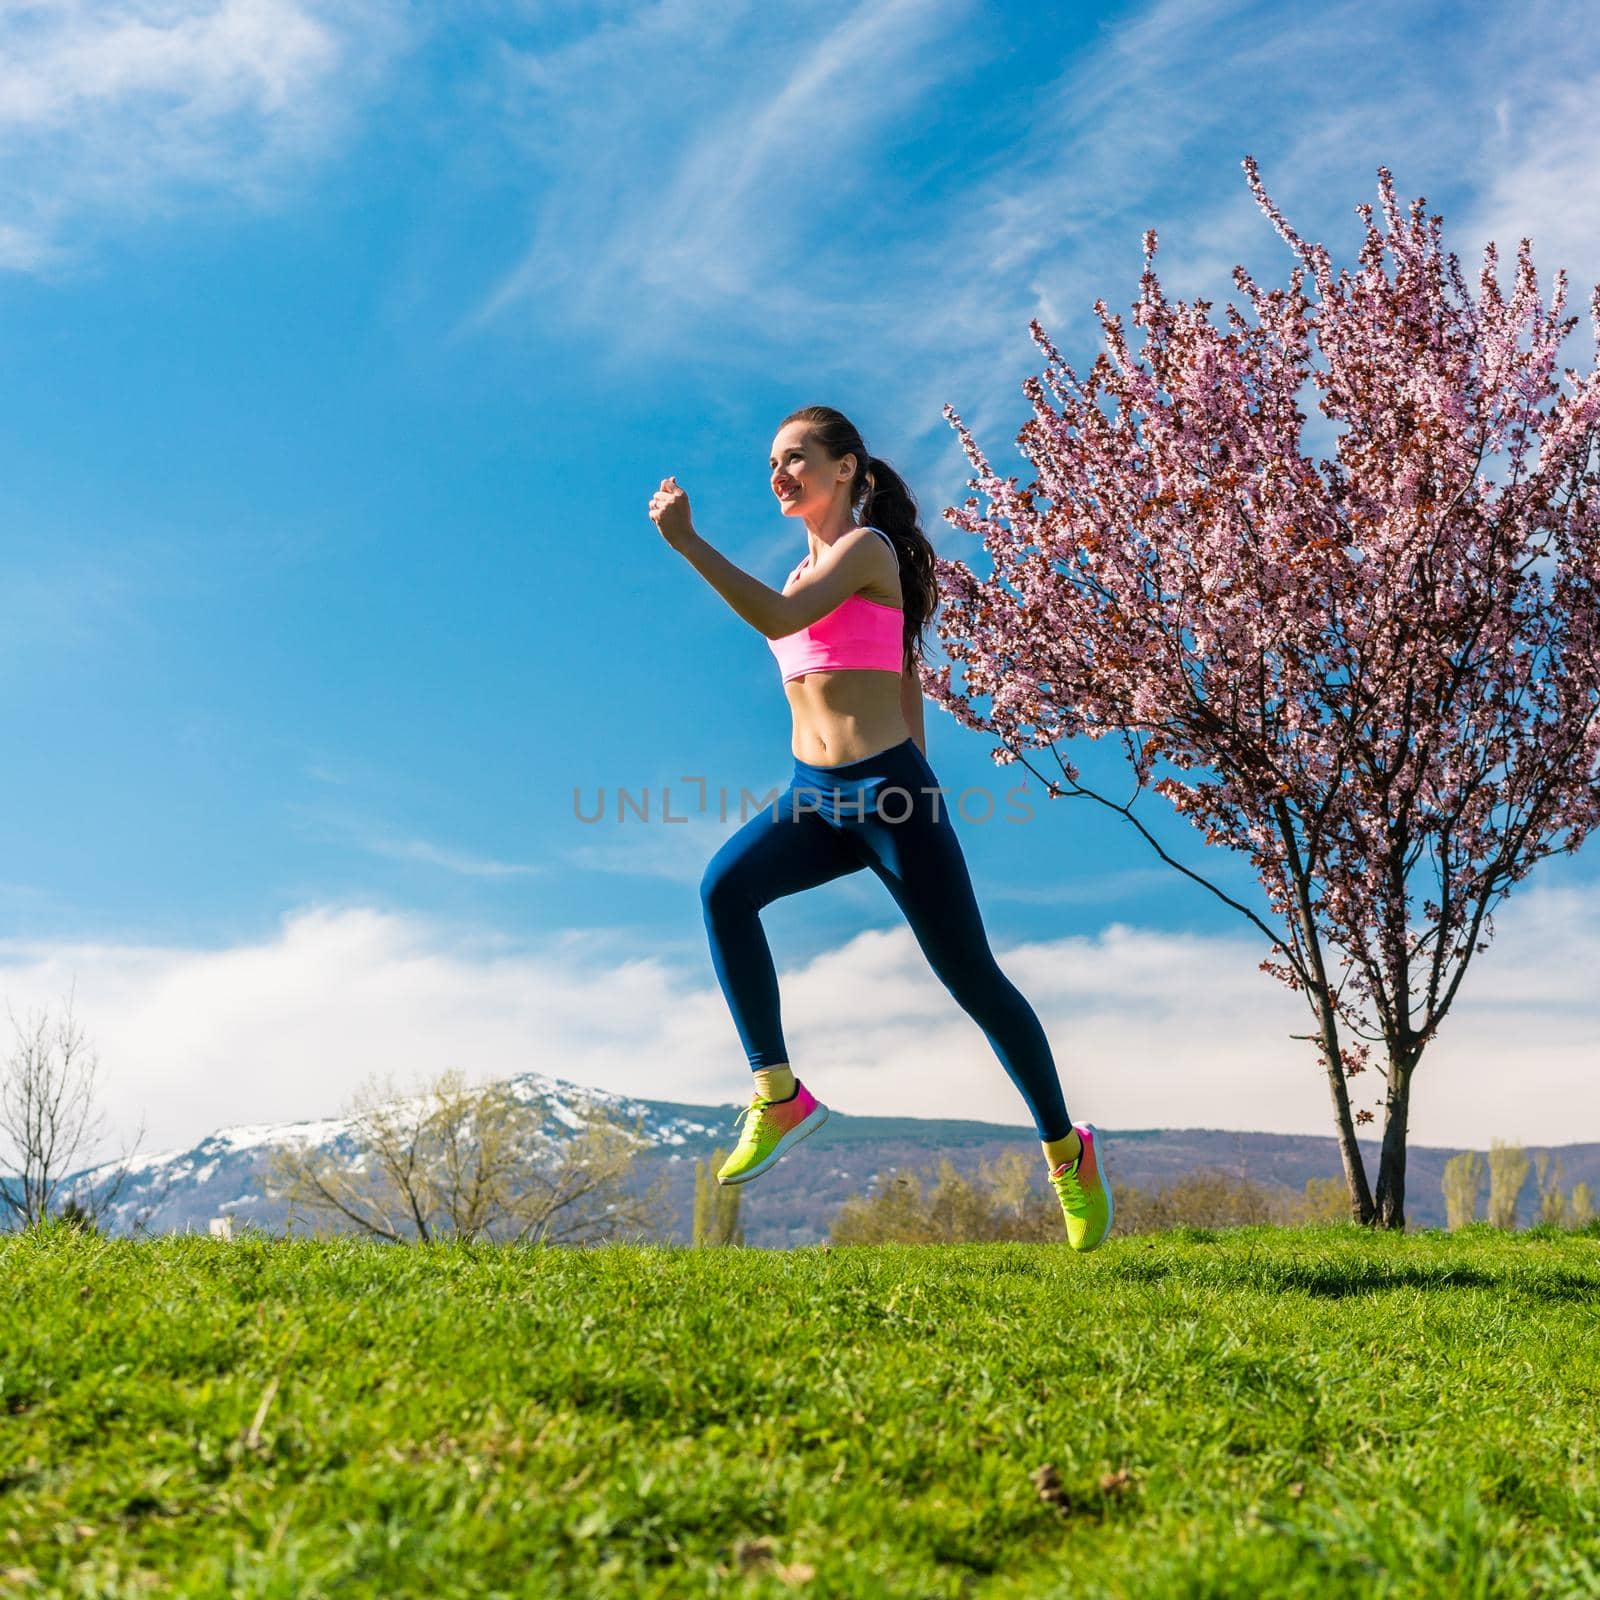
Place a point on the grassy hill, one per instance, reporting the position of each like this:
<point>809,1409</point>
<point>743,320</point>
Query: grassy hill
<point>1265,1412</point>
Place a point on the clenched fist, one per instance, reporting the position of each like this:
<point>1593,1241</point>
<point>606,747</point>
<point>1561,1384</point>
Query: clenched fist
<point>669,510</point>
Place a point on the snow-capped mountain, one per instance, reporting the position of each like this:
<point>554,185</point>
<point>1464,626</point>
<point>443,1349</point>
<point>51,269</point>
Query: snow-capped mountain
<point>224,1174</point>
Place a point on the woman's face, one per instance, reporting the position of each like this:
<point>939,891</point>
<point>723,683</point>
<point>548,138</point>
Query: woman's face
<point>803,478</point>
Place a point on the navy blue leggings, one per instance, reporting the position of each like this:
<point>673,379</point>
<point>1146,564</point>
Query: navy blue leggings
<point>882,812</point>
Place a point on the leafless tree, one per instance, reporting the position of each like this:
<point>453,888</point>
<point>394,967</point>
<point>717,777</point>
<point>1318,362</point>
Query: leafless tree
<point>51,1123</point>
<point>716,1205</point>
<point>1547,1175</point>
<point>470,1161</point>
<point>1508,1171</point>
<point>1462,1184</point>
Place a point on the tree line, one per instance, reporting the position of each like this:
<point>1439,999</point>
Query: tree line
<point>1004,1200</point>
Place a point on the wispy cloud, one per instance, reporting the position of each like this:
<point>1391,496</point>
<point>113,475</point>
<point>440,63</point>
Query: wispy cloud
<point>1090,889</point>
<point>457,861</point>
<point>1540,180</point>
<point>1150,1028</point>
<point>359,833</point>
<point>52,601</point>
<point>666,829</point>
<point>768,136</point>
<point>120,110</point>
<point>757,189</point>
<point>677,851</point>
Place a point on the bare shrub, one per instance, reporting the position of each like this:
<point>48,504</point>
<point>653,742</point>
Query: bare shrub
<point>1203,1199</point>
<point>51,1124</point>
<point>471,1162</point>
<point>1008,1199</point>
<point>1322,1200</point>
<point>1000,1202</point>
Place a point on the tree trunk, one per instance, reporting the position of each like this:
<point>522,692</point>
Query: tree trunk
<point>1355,1171</point>
<point>703,1201</point>
<point>1392,1162</point>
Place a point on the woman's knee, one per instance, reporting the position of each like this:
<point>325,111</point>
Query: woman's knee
<point>725,886</point>
<point>976,982</point>
<point>716,883</point>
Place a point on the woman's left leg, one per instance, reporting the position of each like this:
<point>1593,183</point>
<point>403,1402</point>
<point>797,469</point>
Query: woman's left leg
<point>911,845</point>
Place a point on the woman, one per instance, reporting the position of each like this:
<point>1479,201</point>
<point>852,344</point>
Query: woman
<point>846,630</point>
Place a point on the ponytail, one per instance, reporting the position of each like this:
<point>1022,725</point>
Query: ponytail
<point>883,500</point>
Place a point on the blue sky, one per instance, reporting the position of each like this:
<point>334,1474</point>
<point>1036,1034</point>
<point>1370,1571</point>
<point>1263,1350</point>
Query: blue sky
<point>343,347</point>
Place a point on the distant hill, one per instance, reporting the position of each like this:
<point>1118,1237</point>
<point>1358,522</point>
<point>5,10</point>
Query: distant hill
<point>795,1203</point>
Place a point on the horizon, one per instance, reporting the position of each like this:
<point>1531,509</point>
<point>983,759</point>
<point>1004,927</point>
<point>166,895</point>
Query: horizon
<point>1022,1131</point>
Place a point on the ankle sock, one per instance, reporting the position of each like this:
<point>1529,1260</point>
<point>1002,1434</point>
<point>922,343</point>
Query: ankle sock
<point>764,1083</point>
<point>1056,1170</point>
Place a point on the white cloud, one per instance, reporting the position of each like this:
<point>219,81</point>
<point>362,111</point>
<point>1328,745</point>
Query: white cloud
<point>125,108</point>
<point>1150,1029</point>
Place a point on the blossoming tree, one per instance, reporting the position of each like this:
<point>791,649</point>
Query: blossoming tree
<point>1376,675</point>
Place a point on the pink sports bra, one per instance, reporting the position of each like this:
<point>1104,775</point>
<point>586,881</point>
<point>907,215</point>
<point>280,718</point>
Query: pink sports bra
<point>858,632</point>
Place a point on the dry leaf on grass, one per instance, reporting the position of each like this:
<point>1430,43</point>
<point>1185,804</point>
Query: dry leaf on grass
<point>748,1553</point>
<point>1048,1482</point>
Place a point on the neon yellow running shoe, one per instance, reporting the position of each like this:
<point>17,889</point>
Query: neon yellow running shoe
<point>1085,1194</point>
<point>770,1128</point>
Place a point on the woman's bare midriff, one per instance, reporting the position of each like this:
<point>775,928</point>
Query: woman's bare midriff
<point>845,716</point>
<point>850,714</point>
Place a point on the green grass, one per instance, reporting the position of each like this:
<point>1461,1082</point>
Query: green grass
<point>1259,1412</point>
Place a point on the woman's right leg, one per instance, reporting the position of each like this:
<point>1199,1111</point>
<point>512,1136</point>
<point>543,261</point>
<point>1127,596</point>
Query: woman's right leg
<point>780,851</point>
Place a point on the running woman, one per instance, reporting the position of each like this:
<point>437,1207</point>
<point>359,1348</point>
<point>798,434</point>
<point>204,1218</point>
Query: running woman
<point>846,629</point>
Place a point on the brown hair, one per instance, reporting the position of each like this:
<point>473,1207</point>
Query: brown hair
<point>886,503</point>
